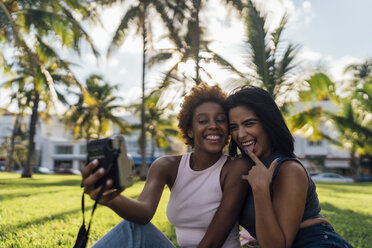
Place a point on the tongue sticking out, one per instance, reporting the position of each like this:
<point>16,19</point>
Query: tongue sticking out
<point>250,147</point>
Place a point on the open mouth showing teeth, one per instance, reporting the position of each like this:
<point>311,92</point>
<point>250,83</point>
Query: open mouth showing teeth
<point>213,137</point>
<point>250,145</point>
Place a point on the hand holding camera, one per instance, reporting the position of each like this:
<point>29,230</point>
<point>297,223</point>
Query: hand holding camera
<point>107,173</point>
<point>108,166</point>
<point>90,179</point>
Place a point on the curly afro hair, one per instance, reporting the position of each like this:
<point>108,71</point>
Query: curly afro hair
<point>199,94</point>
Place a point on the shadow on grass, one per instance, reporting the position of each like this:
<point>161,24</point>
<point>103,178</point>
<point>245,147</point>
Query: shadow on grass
<point>4,197</point>
<point>30,182</point>
<point>356,228</point>
<point>43,220</point>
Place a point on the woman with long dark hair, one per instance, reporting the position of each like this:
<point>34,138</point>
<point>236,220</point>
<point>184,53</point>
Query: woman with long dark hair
<point>281,208</point>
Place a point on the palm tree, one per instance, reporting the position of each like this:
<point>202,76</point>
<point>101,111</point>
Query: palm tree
<point>158,123</point>
<point>271,60</point>
<point>360,91</point>
<point>195,30</point>
<point>189,47</point>
<point>349,125</point>
<point>361,71</point>
<point>93,118</point>
<point>137,15</point>
<point>26,26</point>
<point>184,50</point>
<point>22,98</point>
<point>40,85</point>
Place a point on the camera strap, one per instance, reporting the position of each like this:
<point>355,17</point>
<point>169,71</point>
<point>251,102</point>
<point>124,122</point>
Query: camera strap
<point>82,238</point>
<point>83,234</point>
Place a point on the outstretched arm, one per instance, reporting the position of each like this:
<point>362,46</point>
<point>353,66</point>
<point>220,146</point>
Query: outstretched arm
<point>234,192</point>
<point>140,210</point>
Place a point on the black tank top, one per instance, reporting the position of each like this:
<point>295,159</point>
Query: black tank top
<point>312,207</point>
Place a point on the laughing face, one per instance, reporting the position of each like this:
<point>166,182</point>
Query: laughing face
<point>247,131</point>
<point>209,127</point>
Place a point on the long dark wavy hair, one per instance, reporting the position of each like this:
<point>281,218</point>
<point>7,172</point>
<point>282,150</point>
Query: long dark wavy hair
<point>264,107</point>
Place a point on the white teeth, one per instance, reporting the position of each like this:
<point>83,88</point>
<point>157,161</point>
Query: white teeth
<point>248,143</point>
<point>212,137</point>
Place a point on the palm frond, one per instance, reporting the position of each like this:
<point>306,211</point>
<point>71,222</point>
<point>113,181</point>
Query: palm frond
<point>218,59</point>
<point>121,31</point>
<point>256,32</point>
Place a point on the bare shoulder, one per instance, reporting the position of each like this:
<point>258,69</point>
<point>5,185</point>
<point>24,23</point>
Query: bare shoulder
<point>231,174</point>
<point>166,163</point>
<point>292,171</point>
<point>292,167</point>
<point>167,160</point>
<point>166,166</point>
<point>238,165</point>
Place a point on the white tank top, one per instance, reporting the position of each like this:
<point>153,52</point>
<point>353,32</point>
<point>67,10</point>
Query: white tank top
<point>194,199</point>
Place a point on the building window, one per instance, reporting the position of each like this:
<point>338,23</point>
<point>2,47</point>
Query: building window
<point>314,143</point>
<point>63,150</point>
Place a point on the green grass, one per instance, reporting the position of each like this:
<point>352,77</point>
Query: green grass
<point>45,211</point>
<point>349,208</point>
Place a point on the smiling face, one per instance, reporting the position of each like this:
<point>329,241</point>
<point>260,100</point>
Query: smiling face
<point>247,131</point>
<point>209,127</point>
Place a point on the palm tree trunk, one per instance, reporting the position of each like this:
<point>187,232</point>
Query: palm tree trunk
<point>353,163</point>
<point>153,143</point>
<point>99,126</point>
<point>196,4</point>
<point>10,162</point>
<point>27,170</point>
<point>144,168</point>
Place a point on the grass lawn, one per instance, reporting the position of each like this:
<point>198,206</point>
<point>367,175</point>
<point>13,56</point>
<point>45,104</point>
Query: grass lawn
<point>45,211</point>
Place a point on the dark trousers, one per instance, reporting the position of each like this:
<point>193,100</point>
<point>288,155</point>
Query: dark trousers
<point>320,235</point>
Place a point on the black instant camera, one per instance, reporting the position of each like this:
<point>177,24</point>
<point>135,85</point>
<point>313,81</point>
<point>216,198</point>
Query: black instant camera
<point>111,154</point>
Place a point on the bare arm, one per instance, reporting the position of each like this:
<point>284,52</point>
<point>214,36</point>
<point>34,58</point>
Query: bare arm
<point>278,220</point>
<point>234,192</point>
<point>140,210</point>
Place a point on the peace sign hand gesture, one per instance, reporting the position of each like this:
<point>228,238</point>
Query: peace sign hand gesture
<point>259,177</point>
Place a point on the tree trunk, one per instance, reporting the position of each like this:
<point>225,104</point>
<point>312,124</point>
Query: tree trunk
<point>27,170</point>
<point>353,164</point>
<point>99,126</point>
<point>144,168</point>
<point>10,163</point>
<point>196,4</point>
<point>153,143</point>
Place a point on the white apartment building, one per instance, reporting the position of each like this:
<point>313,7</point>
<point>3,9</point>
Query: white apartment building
<point>320,156</point>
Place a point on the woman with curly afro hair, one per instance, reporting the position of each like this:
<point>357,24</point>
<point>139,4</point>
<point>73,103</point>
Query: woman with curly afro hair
<point>205,184</point>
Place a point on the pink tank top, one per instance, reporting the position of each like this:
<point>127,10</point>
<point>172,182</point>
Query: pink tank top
<point>194,199</point>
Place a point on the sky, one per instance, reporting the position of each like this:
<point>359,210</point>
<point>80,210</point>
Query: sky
<point>331,33</point>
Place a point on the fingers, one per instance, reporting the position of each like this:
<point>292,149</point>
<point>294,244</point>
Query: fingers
<point>92,179</point>
<point>244,177</point>
<point>112,193</point>
<point>275,163</point>
<point>89,168</point>
<point>252,156</point>
<point>271,168</point>
<point>93,192</point>
<point>107,195</point>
